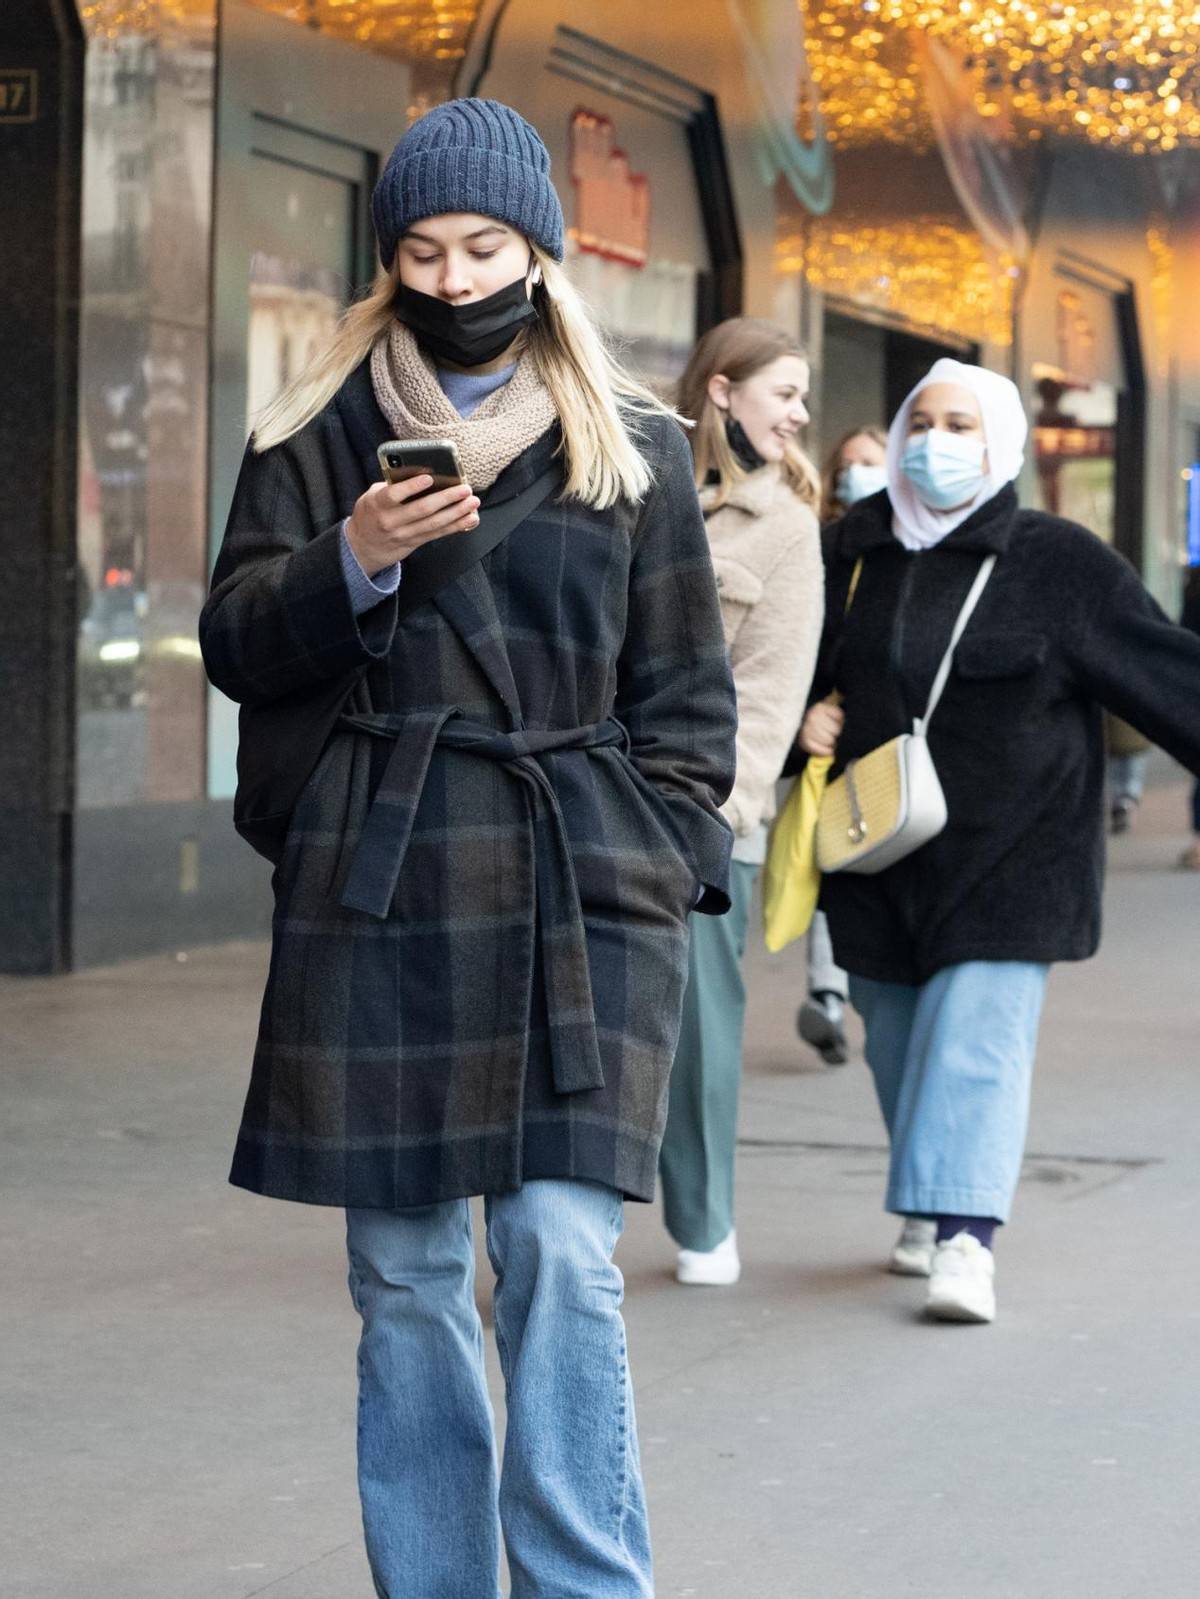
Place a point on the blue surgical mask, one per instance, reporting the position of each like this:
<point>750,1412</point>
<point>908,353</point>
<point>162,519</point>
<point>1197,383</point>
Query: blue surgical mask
<point>858,480</point>
<point>945,469</point>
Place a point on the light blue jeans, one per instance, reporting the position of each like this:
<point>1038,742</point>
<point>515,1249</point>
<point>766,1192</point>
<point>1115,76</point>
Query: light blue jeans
<point>569,1500</point>
<point>953,1062</point>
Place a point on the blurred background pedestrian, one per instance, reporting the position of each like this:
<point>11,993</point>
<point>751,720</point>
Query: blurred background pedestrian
<point>1128,758</point>
<point>745,389</point>
<point>1190,618</point>
<point>855,469</point>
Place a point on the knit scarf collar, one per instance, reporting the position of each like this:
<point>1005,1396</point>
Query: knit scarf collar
<point>497,431</point>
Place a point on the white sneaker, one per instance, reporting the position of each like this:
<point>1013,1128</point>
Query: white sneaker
<point>962,1284</point>
<point>913,1254</point>
<point>710,1268</point>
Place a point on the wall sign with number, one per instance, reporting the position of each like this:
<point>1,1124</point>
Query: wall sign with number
<point>18,94</point>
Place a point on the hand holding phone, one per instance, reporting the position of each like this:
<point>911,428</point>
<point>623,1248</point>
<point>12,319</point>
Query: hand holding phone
<point>422,497</point>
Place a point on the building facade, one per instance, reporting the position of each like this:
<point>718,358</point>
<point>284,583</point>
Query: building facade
<point>199,177</point>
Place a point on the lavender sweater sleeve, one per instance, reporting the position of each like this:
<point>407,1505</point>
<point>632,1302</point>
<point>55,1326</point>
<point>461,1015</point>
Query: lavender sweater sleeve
<point>366,591</point>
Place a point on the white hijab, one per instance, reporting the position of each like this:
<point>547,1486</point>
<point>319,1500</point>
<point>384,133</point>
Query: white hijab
<point>917,525</point>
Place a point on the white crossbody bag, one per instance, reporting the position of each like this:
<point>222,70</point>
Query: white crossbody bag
<point>889,802</point>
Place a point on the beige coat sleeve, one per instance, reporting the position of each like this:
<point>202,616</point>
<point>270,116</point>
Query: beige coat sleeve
<point>773,658</point>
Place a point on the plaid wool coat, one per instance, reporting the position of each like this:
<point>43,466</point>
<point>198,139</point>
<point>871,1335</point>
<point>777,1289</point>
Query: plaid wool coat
<point>480,933</point>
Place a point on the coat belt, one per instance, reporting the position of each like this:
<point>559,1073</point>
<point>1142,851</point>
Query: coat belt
<point>562,946</point>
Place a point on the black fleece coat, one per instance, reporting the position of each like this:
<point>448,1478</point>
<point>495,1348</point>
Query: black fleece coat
<point>1064,627</point>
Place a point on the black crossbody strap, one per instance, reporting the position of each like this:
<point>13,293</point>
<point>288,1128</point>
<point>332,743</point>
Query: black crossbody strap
<point>434,566</point>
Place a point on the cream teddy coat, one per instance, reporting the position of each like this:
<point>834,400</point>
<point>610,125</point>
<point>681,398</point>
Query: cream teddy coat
<point>766,552</point>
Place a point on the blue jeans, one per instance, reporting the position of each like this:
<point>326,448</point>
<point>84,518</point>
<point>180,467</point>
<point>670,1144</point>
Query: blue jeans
<point>953,1063</point>
<point>569,1499</point>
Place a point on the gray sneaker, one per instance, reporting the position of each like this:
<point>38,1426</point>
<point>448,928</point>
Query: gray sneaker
<point>819,1021</point>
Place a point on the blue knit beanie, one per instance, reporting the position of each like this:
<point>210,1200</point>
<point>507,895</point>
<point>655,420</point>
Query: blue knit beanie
<point>469,155</point>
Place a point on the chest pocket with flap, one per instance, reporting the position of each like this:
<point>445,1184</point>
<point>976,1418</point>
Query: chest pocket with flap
<point>989,657</point>
<point>739,589</point>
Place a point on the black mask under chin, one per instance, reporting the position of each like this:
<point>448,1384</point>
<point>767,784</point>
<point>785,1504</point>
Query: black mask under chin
<point>467,335</point>
<point>741,446</point>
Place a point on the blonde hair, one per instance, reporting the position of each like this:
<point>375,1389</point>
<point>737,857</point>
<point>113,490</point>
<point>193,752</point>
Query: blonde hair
<point>598,402</point>
<point>737,349</point>
<point>831,506</point>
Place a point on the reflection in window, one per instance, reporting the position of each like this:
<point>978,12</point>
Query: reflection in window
<point>142,533</point>
<point>1075,450</point>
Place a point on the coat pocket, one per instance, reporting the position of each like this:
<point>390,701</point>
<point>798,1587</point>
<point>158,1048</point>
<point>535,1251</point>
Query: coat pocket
<point>663,848</point>
<point>989,657</point>
<point>999,688</point>
<point>739,589</point>
<point>737,583</point>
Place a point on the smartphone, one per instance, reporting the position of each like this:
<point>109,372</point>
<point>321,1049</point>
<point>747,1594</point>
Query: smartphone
<point>401,459</point>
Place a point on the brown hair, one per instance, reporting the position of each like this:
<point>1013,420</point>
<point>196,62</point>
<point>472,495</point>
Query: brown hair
<point>831,506</point>
<point>737,349</point>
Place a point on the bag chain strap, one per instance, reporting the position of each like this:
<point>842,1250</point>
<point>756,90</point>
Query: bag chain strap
<point>857,831</point>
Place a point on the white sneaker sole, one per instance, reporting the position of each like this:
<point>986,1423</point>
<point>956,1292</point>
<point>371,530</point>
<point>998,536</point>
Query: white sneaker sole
<point>980,1313</point>
<point>697,1277</point>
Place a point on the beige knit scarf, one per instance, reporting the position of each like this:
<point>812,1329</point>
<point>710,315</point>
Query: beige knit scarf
<point>410,397</point>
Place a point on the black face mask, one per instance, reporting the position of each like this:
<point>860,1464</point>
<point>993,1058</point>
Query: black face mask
<point>467,335</point>
<point>741,446</point>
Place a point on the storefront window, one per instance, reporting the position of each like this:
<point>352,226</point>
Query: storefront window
<point>616,258</point>
<point>144,398</point>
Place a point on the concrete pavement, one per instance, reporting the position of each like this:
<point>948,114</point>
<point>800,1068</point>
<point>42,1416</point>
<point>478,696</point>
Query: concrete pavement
<point>177,1357</point>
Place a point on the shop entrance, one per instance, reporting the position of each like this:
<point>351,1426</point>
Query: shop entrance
<point>868,368</point>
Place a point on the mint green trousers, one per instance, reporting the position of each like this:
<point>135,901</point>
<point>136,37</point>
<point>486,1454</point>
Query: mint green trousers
<point>696,1164</point>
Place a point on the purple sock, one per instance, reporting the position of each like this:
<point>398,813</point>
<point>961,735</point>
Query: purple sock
<point>981,1227</point>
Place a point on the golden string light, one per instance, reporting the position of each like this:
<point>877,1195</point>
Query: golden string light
<point>108,19</point>
<point>418,31</point>
<point>933,273</point>
<point>1162,285</point>
<point>413,30</point>
<point>1125,74</point>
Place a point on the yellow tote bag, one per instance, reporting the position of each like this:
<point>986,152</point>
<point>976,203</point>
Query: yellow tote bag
<point>791,881</point>
<point>791,878</point>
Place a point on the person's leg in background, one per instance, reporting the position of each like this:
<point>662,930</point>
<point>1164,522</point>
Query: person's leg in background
<point>961,1118</point>
<point>888,1011</point>
<point>820,1021</point>
<point>1190,859</point>
<point>700,1144</point>
<point>1126,785</point>
<point>572,1504</point>
<point>426,1445</point>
